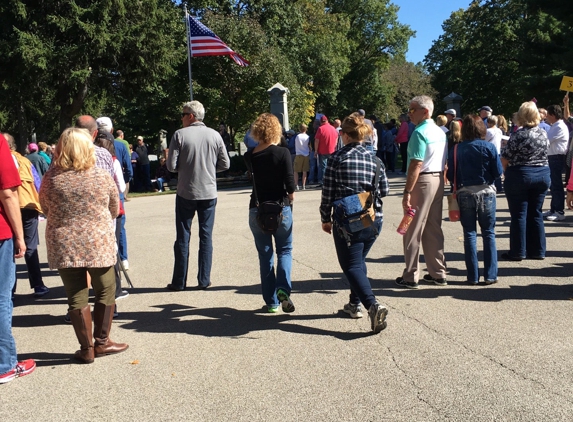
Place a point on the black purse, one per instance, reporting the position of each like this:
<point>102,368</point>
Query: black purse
<point>269,213</point>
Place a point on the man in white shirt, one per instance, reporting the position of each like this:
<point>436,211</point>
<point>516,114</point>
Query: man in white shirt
<point>301,159</point>
<point>558,136</point>
<point>494,135</point>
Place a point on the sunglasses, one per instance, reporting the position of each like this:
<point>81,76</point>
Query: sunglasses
<point>185,114</point>
<point>414,109</point>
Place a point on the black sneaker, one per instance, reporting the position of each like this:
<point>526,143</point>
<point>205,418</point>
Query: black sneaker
<point>377,314</point>
<point>41,291</point>
<point>407,284</point>
<point>438,281</point>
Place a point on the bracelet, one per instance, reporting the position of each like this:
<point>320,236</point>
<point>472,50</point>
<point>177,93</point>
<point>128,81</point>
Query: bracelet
<point>407,192</point>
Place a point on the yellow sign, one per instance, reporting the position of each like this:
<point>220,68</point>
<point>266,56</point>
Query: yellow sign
<point>566,84</point>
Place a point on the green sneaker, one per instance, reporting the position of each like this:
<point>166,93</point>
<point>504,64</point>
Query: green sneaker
<point>286,303</point>
<point>272,309</point>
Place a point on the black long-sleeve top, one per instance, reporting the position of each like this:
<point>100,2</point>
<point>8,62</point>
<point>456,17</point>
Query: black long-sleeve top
<point>274,178</point>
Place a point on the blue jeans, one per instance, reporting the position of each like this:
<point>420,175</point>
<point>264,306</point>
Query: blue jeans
<point>556,167</point>
<point>352,260</point>
<point>480,206</point>
<point>122,239</point>
<point>525,189</point>
<point>322,159</point>
<point>160,181</point>
<point>184,213</point>
<point>271,282</point>
<point>8,357</point>
<point>32,240</point>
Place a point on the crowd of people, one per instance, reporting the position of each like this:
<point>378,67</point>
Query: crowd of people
<point>81,183</point>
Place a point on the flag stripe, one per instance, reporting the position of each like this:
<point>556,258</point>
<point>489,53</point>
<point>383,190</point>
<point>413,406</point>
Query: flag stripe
<point>204,42</point>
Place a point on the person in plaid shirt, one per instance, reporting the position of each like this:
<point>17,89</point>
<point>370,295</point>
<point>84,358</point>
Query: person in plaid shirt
<point>349,171</point>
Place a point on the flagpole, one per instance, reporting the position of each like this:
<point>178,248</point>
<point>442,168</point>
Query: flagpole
<point>188,53</point>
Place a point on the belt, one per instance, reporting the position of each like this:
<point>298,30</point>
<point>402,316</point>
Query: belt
<point>431,172</point>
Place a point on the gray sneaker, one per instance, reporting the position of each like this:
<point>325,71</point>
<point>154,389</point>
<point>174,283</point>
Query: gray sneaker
<point>407,284</point>
<point>377,314</point>
<point>285,301</point>
<point>355,311</point>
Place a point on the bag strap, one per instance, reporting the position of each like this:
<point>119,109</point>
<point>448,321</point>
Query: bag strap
<point>455,167</point>
<point>376,179</point>
<point>250,168</point>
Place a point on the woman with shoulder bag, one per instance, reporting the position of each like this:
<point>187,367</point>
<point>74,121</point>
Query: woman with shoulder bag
<point>349,171</point>
<point>273,185</point>
<point>473,165</point>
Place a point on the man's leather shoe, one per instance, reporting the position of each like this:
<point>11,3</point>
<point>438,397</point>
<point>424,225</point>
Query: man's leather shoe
<point>175,288</point>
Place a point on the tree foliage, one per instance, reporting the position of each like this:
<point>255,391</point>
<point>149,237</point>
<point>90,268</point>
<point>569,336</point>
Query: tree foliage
<point>500,53</point>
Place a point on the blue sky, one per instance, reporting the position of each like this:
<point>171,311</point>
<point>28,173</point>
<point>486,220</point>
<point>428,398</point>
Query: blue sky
<point>426,18</point>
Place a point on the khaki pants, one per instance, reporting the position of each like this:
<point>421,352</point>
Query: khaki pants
<point>77,290</point>
<point>426,229</point>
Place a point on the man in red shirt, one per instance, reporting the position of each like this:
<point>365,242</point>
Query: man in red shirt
<point>11,246</point>
<point>324,145</point>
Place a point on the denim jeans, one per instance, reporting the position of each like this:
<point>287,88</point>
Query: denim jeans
<point>322,159</point>
<point>185,210</point>
<point>525,189</point>
<point>122,238</point>
<point>480,206</point>
<point>312,172</point>
<point>556,167</point>
<point>160,182</point>
<point>352,260</point>
<point>8,357</point>
<point>271,282</point>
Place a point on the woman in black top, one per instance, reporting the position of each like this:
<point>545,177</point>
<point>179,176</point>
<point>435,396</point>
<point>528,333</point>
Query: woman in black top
<point>274,181</point>
<point>349,171</point>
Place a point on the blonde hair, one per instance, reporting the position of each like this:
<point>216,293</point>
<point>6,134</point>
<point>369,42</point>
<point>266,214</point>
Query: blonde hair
<point>456,131</point>
<point>355,127</point>
<point>75,150</point>
<point>441,120</point>
<point>43,146</point>
<point>528,115</point>
<point>267,129</point>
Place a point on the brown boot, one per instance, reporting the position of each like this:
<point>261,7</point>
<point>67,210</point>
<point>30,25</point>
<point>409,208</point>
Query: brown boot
<point>82,322</point>
<point>103,316</point>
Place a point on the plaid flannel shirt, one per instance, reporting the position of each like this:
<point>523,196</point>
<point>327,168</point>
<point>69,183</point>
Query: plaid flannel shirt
<point>349,171</point>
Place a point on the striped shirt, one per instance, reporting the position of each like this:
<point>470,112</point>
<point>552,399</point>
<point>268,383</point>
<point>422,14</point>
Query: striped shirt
<point>349,171</point>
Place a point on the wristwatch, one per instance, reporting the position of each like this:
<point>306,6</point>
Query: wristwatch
<point>407,192</point>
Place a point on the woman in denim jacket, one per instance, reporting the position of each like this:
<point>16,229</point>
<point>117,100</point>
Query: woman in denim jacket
<point>477,166</point>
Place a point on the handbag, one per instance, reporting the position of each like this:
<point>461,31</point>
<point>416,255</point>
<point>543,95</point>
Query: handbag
<point>453,207</point>
<point>356,212</point>
<point>269,213</point>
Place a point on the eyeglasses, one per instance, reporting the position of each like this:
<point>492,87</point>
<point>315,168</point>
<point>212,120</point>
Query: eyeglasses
<point>185,114</point>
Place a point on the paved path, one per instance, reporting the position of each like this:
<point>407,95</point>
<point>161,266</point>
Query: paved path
<point>458,353</point>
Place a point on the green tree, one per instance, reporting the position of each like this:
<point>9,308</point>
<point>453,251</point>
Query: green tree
<point>63,56</point>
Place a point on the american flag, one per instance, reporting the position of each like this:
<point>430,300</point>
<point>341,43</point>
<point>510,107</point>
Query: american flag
<point>204,42</point>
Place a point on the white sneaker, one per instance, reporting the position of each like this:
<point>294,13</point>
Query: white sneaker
<point>556,216</point>
<point>547,213</point>
<point>125,265</point>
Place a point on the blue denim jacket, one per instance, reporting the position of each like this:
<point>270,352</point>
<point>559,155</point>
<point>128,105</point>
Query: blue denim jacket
<point>478,164</point>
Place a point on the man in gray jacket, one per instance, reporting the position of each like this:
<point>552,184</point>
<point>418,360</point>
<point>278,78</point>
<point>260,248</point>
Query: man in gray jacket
<point>196,153</point>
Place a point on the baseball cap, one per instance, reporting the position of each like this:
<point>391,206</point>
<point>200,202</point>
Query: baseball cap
<point>104,123</point>
<point>486,108</point>
<point>361,112</point>
<point>450,111</point>
<point>290,132</point>
<point>32,147</point>
<point>324,118</point>
<point>140,137</point>
<point>104,134</point>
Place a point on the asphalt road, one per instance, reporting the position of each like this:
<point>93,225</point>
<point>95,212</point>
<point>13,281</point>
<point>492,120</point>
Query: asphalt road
<point>455,353</point>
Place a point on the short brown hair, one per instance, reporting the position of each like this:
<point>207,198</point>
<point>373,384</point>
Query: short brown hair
<point>267,129</point>
<point>75,150</point>
<point>473,128</point>
<point>441,120</point>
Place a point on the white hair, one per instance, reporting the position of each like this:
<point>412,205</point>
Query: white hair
<point>196,109</point>
<point>425,102</point>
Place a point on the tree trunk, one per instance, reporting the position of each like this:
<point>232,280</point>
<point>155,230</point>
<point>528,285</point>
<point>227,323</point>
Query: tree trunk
<point>69,110</point>
<point>23,135</point>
